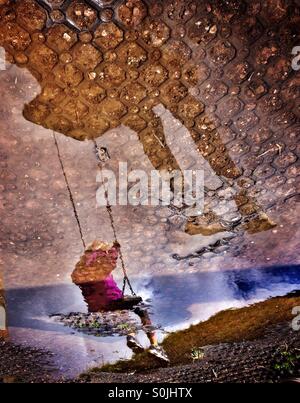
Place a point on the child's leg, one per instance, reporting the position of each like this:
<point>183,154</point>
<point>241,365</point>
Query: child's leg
<point>146,321</point>
<point>154,349</point>
<point>133,343</point>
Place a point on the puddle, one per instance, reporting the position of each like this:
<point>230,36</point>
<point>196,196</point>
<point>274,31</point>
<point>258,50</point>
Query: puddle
<point>177,301</point>
<point>158,88</point>
<point>185,299</point>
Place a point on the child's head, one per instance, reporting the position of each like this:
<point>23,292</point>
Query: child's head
<point>102,253</point>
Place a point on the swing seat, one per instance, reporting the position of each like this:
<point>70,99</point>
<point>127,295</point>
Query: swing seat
<point>126,303</point>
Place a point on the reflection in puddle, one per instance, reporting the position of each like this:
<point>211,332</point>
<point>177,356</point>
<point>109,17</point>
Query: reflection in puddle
<point>93,276</point>
<point>182,300</point>
<point>176,302</point>
<point>157,102</point>
<point>149,237</point>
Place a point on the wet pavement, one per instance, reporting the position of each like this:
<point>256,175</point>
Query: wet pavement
<point>172,84</point>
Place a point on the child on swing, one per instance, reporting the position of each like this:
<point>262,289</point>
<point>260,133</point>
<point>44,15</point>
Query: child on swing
<point>101,293</point>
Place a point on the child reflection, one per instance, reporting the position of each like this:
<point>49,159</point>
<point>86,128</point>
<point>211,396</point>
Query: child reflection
<point>93,275</point>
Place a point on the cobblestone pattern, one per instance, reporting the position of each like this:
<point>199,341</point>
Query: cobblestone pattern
<point>222,68</point>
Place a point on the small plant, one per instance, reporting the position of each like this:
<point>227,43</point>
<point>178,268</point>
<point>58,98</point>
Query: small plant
<point>197,353</point>
<point>287,362</point>
<point>95,325</point>
<point>124,326</point>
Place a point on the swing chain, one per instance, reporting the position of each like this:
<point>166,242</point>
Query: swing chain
<point>71,197</point>
<point>100,156</point>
